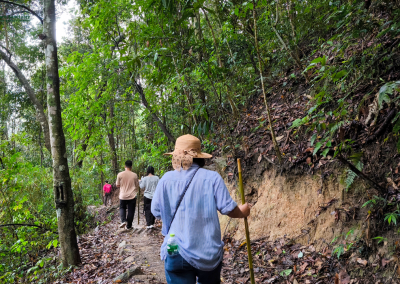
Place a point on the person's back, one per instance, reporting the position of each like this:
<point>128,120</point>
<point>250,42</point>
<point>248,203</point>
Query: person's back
<point>196,226</point>
<point>107,188</point>
<point>128,183</point>
<point>188,200</point>
<point>149,183</point>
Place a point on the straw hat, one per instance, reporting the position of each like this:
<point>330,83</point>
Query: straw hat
<point>187,147</point>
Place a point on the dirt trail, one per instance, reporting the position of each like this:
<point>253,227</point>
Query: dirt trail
<point>108,252</point>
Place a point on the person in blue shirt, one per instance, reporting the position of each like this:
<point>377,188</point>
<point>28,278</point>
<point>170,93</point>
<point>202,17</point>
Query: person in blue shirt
<point>195,222</point>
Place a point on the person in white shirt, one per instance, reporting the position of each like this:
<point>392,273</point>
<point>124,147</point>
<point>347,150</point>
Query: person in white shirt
<point>149,184</point>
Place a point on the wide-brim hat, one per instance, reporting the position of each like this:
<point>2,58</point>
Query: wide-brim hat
<point>187,147</point>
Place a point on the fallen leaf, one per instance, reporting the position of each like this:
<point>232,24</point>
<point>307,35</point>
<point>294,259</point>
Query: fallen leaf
<point>303,267</point>
<point>362,261</point>
<point>259,158</point>
<point>336,279</point>
<point>318,264</point>
<point>344,277</point>
<point>279,138</point>
<point>385,261</point>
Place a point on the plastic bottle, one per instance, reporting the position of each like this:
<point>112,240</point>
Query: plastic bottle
<point>172,245</point>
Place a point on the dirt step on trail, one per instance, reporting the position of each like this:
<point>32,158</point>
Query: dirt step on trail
<point>113,255</point>
<point>141,246</point>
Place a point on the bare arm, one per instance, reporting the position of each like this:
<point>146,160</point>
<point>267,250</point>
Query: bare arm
<point>117,184</point>
<point>240,211</point>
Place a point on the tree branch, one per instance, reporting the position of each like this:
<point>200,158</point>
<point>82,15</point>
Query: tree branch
<point>360,174</point>
<point>2,163</point>
<point>27,225</point>
<point>383,127</point>
<point>139,89</point>
<point>41,117</point>
<point>24,7</point>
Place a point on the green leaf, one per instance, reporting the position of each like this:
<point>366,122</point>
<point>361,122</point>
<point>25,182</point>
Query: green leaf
<point>339,75</point>
<point>199,129</point>
<point>285,272</point>
<point>383,97</point>
<point>325,152</point>
<point>313,139</point>
<point>312,109</point>
<point>398,145</point>
<point>396,117</point>
<point>206,128</point>
<point>317,147</point>
<point>317,60</point>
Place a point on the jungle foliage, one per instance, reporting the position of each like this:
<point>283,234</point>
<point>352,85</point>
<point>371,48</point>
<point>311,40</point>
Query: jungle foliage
<point>135,75</point>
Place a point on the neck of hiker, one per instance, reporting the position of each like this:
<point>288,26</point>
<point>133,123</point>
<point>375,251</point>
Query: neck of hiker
<point>128,169</point>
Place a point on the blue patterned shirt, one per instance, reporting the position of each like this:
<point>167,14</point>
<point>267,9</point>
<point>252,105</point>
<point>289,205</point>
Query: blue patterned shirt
<point>196,224</point>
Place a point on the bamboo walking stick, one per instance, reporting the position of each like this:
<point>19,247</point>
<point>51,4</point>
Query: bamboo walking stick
<point>246,225</point>
<point>138,210</point>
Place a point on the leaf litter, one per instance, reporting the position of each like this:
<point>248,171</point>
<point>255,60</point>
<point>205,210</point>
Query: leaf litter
<point>281,261</point>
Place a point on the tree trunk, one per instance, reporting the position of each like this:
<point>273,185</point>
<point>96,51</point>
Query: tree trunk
<point>40,116</point>
<point>276,146</point>
<point>111,141</point>
<point>164,129</point>
<point>84,146</point>
<point>63,194</point>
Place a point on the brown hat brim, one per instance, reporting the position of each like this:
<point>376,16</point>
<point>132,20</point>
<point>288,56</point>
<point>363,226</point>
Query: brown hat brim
<point>201,155</point>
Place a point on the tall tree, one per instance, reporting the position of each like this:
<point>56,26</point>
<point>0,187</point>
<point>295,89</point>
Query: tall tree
<point>61,179</point>
<point>40,115</point>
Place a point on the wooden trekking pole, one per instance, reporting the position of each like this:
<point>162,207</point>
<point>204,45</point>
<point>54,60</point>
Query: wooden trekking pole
<point>246,225</point>
<point>138,203</point>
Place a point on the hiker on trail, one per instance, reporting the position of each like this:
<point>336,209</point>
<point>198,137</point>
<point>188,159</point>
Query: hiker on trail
<point>149,183</point>
<point>128,183</point>
<point>107,188</point>
<point>187,201</point>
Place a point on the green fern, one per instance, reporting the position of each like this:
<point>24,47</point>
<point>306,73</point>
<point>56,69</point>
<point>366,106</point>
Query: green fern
<point>351,176</point>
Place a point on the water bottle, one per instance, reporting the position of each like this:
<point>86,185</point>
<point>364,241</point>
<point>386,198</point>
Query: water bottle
<point>172,245</point>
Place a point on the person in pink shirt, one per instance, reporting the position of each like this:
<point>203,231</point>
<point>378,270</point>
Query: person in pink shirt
<point>107,193</point>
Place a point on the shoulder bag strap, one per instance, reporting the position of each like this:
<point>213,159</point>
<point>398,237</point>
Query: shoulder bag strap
<point>180,200</point>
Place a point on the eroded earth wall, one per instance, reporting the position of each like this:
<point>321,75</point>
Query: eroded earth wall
<point>303,207</point>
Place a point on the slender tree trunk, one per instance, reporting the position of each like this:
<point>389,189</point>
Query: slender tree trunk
<point>40,147</point>
<point>40,115</point>
<point>228,95</point>
<point>111,141</point>
<point>63,194</point>
<point>133,135</point>
<point>102,176</point>
<point>164,129</point>
<point>278,152</point>
<point>285,46</point>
